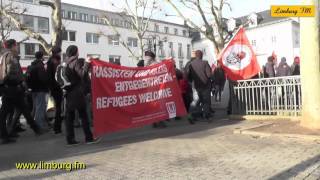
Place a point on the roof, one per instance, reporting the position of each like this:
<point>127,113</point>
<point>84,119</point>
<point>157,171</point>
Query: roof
<point>117,13</point>
<point>263,18</point>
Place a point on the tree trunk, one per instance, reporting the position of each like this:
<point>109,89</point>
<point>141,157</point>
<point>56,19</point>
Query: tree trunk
<point>310,69</point>
<point>57,24</point>
<point>140,48</point>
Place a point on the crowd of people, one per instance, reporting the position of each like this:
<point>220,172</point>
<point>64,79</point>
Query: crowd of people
<point>27,94</point>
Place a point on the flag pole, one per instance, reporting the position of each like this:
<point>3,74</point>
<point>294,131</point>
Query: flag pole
<point>241,26</point>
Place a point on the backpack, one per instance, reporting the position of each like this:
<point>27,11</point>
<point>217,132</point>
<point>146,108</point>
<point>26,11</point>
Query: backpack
<point>3,70</point>
<point>61,76</point>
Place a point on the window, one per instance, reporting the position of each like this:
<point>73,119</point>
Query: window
<point>28,21</point>
<point>161,51</point>
<point>113,40</point>
<point>114,59</point>
<point>72,36</point>
<point>94,19</point>
<point>72,15</point>
<point>184,32</point>
<point>63,13</point>
<point>180,54</point>
<point>96,56</point>
<point>132,42</point>
<point>254,43</point>
<point>156,28</point>
<point>28,1</point>
<point>43,25</point>
<point>92,38</point>
<point>29,49</point>
<point>188,51</point>
<point>175,31</point>
<point>69,36</point>
<point>166,30</point>
<point>171,53</point>
<point>181,64</point>
<point>84,17</point>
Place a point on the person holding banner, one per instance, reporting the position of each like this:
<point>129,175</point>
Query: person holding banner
<point>75,97</point>
<point>150,60</point>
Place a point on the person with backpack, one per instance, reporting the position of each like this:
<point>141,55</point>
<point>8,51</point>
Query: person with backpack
<point>75,96</point>
<point>37,81</point>
<point>11,78</point>
<point>200,72</point>
<point>54,87</point>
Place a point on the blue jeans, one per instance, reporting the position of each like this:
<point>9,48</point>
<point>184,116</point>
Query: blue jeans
<point>40,108</point>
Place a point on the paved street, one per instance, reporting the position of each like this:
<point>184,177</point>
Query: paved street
<point>182,151</point>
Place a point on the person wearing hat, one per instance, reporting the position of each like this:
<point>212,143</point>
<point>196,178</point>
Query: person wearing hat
<point>149,58</point>
<point>54,87</point>
<point>75,97</point>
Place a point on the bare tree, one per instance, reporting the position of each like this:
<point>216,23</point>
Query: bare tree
<point>13,15</point>
<point>214,24</point>
<point>138,18</point>
<point>5,26</point>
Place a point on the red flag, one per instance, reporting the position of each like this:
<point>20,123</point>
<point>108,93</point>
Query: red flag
<point>238,59</point>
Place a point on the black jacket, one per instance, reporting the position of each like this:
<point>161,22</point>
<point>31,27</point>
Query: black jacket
<point>219,77</point>
<point>52,65</point>
<point>76,94</point>
<point>40,83</point>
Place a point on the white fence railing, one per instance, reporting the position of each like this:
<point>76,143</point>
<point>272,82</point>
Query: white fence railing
<point>267,96</point>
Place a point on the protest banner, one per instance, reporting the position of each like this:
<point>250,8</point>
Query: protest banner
<point>126,97</point>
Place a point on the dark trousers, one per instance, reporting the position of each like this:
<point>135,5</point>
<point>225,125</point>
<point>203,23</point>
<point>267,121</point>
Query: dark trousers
<point>85,124</point>
<point>8,106</point>
<point>205,100</point>
<point>57,97</point>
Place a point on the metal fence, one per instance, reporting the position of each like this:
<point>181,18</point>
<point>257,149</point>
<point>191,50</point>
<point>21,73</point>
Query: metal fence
<point>267,96</point>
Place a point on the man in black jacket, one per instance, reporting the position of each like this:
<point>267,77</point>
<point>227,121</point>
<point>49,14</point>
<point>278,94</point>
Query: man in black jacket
<point>75,96</point>
<point>38,85</point>
<point>54,87</point>
<point>13,91</point>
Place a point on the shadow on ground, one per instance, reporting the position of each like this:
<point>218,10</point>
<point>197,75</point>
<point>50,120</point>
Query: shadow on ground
<point>298,168</point>
<point>50,148</point>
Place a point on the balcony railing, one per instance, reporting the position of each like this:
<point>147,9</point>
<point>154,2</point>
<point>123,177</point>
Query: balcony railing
<point>267,96</point>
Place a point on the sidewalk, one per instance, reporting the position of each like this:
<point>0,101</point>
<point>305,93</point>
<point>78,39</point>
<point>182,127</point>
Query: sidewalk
<point>181,151</point>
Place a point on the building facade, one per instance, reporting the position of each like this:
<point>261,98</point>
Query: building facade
<point>85,29</point>
<point>266,35</point>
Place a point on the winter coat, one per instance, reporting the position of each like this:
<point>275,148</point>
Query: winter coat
<point>283,70</point>
<point>295,69</point>
<point>52,65</point>
<point>14,74</point>
<point>219,77</point>
<point>200,72</point>
<point>269,70</point>
<point>40,83</point>
<point>76,93</point>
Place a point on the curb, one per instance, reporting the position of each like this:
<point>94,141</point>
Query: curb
<point>263,117</point>
<point>248,131</point>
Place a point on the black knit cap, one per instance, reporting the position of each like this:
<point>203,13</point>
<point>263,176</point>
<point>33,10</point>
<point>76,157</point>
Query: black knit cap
<point>72,51</point>
<point>149,53</point>
<point>10,43</point>
<point>140,63</point>
<point>39,55</point>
